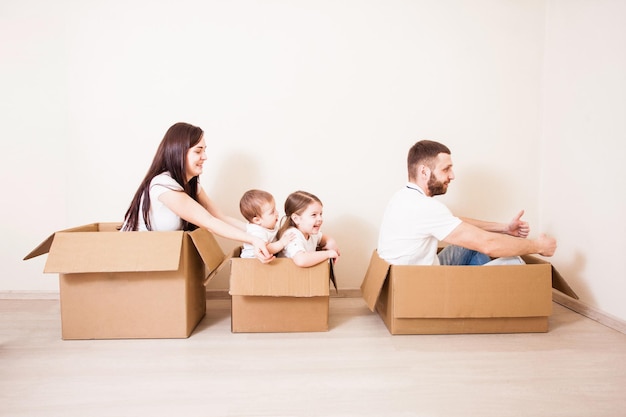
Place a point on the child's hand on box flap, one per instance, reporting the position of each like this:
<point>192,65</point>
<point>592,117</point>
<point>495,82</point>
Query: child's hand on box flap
<point>330,243</point>
<point>331,246</point>
<point>333,254</point>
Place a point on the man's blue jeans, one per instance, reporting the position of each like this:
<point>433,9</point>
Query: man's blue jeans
<point>457,255</point>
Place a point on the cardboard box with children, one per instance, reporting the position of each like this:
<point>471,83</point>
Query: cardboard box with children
<point>462,299</point>
<point>278,296</point>
<point>117,285</point>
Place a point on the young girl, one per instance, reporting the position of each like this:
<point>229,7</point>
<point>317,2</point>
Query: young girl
<point>303,214</point>
<point>170,196</point>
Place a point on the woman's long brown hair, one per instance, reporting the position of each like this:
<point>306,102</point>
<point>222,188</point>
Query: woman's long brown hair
<point>170,157</point>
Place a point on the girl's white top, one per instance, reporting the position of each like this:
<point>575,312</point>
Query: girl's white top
<point>300,244</point>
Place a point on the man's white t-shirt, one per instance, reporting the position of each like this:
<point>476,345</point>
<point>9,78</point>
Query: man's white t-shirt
<point>161,218</point>
<point>300,244</point>
<point>266,235</point>
<point>412,226</point>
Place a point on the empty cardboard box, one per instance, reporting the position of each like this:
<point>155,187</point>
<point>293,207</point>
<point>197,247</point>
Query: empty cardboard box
<point>278,296</point>
<point>117,285</point>
<point>462,299</point>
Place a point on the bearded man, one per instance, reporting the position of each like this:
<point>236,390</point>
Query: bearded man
<point>414,222</point>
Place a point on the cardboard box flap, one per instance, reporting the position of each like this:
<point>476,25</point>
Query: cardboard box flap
<point>279,278</point>
<point>559,283</point>
<point>479,292</point>
<point>80,252</point>
<point>44,247</point>
<point>375,277</point>
<point>212,274</point>
<point>331,272</point>
<point>208,248</point>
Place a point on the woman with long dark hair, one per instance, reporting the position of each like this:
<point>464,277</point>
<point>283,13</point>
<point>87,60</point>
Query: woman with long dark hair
<point>170,196</point>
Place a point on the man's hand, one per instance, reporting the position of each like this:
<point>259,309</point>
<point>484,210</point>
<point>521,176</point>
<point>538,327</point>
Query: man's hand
<point>517,227</point>
<point>546,245</point>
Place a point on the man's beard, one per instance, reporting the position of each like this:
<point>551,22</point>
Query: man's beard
<point>436,187</point>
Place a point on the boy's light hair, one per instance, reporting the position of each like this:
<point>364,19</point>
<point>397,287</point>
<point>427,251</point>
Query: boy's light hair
<point>251,203</point>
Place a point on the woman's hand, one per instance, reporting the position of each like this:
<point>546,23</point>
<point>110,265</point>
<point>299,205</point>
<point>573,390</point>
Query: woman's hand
<point>260,250</point>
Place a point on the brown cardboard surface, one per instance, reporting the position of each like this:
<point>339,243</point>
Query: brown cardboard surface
<point>130,284</point>
<point>375,277</point>
<point>453,291</point>
<point>208,249</point>
<point>259,314</point>
<point>279,278</point>
<point>114,252</point>
<point>278,296</point>
<point>128,305</point>
<point>44,247</point>
<point>460,299</point>
<point>470,326</point>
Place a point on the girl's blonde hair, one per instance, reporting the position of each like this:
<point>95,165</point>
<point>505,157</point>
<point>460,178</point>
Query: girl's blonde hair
<point>296,203</point>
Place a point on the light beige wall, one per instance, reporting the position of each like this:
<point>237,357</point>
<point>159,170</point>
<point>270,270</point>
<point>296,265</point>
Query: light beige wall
<point>325,96</point>
<point>584,175</point>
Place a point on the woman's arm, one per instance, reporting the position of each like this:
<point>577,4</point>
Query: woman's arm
<point>212,208</point>
<point>190,210</point>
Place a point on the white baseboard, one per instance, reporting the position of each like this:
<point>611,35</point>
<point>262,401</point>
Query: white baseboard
<point>589,312</point>
<point>29,295</point>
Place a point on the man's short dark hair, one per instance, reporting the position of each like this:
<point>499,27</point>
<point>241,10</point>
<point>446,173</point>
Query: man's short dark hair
<point>424,152</point>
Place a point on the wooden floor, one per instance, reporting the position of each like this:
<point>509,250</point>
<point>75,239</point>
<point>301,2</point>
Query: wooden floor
<point>357,368</point>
